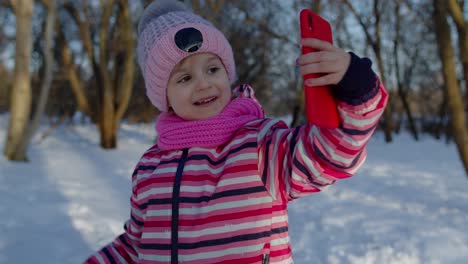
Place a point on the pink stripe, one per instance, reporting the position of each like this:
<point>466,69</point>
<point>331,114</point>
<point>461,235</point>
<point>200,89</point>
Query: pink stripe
<point>241,258</point>
<point>232,221</point>
<point>213,249</point>
<point>227,234</point>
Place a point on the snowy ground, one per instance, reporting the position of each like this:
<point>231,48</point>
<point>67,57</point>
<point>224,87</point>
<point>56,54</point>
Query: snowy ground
<point>408,204</point>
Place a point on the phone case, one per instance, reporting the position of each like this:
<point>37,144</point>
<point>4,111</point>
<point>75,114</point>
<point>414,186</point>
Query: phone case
<point>320,105</point>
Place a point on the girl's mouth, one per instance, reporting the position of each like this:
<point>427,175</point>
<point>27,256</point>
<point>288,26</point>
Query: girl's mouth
<point>205,101</point>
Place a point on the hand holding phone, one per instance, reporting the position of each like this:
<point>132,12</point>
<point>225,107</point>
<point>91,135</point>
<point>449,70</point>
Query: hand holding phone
<point>320,105</point>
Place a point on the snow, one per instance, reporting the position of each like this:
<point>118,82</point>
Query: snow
<point>408,203</point>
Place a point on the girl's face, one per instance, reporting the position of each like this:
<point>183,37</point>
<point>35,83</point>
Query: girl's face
<point>198,87</point>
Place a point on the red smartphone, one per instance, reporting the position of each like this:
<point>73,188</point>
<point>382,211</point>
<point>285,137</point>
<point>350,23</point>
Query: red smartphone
<point>320,104</point>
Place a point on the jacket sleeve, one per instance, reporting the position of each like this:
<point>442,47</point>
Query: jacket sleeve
<point>303,160</point>
<point>124,248</point>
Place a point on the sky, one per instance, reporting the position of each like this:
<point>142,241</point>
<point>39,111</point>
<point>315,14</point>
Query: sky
<point>407,204</point>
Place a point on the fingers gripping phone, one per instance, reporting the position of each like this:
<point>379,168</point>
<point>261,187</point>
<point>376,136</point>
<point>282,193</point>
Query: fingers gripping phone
<point>320,105</point>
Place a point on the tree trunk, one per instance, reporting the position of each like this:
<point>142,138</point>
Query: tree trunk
<point>387,115</point>
<point>21,93</point>
<point>456,12</point>
<point>107,125</point>
<point>72,74</point>
<point>125,74</point>
<point>47,81</point>
<point>114,84</point>
<point>401,90</point>
<point>454,98</point>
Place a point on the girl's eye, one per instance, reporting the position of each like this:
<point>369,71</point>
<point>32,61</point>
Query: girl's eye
<point>213,69</point>
<point>185,78</point>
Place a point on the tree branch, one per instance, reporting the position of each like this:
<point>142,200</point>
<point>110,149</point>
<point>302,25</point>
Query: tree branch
<point>456,12</point>
<point>361,22</point>
<point>264,27</point>
<point>83,27</point>
<point>126,77</point>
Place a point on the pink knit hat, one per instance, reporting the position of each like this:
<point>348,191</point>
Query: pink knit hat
<point>168,32</point>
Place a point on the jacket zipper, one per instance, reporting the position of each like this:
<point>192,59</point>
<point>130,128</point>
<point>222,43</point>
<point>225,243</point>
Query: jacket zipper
<point>175,209</point>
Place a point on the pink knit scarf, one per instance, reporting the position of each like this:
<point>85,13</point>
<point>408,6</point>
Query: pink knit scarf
<point>177,133</point>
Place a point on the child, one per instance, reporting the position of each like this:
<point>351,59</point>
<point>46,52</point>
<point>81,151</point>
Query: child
<point>215,187</point>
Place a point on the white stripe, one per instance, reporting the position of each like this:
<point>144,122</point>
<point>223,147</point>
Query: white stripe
<point>228,205</point>
<point>136,212</point>
<point>200,189</point>
<point>228,147</point>
<point>311,164</point>
<point>160,235</point>
<point>134,230</point>
<point>286,261</point>
<point>142,176</point>
<point>189,189</point>
<point>225,229</point>
<point>132,256</point>
<point>279,219</point>
<point>266,129</point>
<point>203,167</point>
<point>352,140</point>
<point>121,260</point>
<point>171,169</point>
<point>244,156</point>
<point>330,151</point>
<point>197,189</point>
<point>273,159</point>
<point>279,241</point>
<point>171,155</point>
<point>210,231</point>
<point>357,166</point>
<point>371,106</point>
<point>207,167</point>
<point>298,178</point>
<point>99,258</point>
<point>359,122</point>
<point>287,164</point>
<point>154,257</point>
<point>220,253</point>
<point>212,208</point>
<point>152,191</point>
<point>243,179</point>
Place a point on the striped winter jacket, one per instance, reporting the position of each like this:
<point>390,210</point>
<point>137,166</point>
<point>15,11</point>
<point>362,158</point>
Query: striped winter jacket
<point>228,205</point>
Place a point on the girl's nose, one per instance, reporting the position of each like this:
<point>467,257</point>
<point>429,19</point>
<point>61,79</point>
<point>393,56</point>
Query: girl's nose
<point>203,84</point>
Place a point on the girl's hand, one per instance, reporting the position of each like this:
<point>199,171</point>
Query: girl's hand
<point>329,60</point>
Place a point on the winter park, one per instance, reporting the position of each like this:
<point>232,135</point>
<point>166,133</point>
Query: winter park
<point>90,151</point>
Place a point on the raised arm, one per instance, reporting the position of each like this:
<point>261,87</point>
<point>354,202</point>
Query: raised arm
<point>299,161</point>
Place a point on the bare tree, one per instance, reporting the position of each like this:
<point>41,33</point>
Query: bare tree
<point>113,75</point>
<point>375,41</point>
<point>21,95</point>
<point>47,81</point>
<point>454,98</point>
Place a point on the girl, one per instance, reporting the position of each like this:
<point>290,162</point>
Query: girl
<point>215,187</point>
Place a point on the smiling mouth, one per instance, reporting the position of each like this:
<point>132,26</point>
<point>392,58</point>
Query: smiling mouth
<point>206,101</point>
